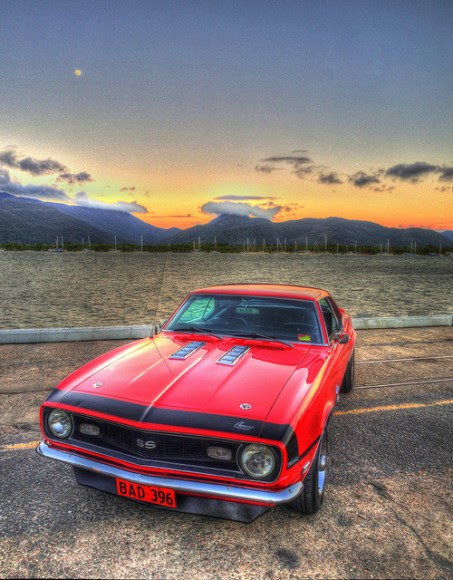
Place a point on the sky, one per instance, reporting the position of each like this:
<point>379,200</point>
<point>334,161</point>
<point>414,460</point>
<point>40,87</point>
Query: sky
<point>177,111</point>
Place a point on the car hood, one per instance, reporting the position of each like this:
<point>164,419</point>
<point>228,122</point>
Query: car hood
<point>144,374</point>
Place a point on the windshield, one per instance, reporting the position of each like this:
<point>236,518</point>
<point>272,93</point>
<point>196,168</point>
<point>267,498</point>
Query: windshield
<point>233,315</point>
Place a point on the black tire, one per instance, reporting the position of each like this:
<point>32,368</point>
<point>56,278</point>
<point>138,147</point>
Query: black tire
<point>348,379</point>
<point>312,496</point>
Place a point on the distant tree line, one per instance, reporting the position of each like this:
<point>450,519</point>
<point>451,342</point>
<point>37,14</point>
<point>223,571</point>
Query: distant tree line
<point>226,249</point>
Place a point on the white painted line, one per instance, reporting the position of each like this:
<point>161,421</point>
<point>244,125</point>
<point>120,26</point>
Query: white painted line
<point>416,358</point>
<point>418,382</point>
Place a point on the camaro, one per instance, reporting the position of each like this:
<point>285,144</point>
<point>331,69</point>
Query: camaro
<point>225,412</point>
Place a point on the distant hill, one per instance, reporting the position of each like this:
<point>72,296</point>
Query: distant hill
<point>448,234</point>
<point>31,221</point>
<point>231,229</point>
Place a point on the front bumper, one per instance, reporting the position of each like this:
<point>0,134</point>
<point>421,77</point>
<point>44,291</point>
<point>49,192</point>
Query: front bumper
<point>210,490</point>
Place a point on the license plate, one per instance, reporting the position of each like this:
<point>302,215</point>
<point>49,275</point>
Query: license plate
<point>149,493</point>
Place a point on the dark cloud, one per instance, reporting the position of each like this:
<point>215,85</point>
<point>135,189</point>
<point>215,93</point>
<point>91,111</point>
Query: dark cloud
<point>295,160</point>
<point>300,151</point>
<point>362,179</point>
<point>266,168</point>
<point>446,174</point>
<point>72,178</point>
<point>125,206</point>
<point>40,166</point>
<point>411,171</point>
<point>128,188</point>
<point>329,178</point>
<point>9,158</point>
<point>382,188</point>
<point>34,191</point>
<point>302,171</point>
<point>240,208</point>
<point>242,197</point>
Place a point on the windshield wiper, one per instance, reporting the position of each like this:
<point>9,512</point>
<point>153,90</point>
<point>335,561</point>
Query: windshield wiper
<point>192,328</point>
<point>268,336</point>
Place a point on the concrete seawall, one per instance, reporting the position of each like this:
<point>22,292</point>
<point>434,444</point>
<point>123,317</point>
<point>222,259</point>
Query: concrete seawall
<point>73,334</point>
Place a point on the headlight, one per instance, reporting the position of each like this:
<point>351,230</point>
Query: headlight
<point>60,423</point>
<point>258,461</point>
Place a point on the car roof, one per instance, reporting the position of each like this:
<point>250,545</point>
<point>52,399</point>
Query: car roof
<point>275,290</point>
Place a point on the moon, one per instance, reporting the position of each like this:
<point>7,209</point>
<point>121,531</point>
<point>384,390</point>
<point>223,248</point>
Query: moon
<point>78,72</point>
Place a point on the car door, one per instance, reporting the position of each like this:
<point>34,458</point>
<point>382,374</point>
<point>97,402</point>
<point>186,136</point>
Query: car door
<point>336,350</point>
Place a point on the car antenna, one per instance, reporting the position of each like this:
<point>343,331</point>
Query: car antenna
<point>161,281</point>
<point>156,310</point>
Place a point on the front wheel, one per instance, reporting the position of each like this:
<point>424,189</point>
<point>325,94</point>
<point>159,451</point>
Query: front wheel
<point>348,379</point>
<point>312,496</point>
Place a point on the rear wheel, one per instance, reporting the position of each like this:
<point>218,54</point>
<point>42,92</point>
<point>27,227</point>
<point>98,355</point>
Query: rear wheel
<point>312,496</point>
<point>348,380</point>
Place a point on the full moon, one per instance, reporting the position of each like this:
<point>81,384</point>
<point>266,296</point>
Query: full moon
<point>78,72</point>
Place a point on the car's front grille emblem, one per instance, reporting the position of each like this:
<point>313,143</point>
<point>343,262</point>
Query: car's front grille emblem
<point>146,443</point>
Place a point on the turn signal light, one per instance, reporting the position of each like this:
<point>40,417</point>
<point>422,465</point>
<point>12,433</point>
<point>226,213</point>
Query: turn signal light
<point>219,453</point>
<point>89,429</point>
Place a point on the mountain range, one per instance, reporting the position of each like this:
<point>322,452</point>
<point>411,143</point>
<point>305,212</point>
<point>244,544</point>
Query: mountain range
<point>30,221</point>
<point>232,229</point>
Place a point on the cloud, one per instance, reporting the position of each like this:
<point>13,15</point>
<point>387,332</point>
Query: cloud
<point>267,168</point>
<point>128,188</point>
<point>33,191</point>
<point>9,158</point>
<point>411,171</point>
<point>300,151</point>
<point>295,160</point>
<point>83,200</point>
<point>71,178</point>
<point>329,178</point>
<point>362,179</point>
<point>243,197</point>
<point>446,174</point>
<point>303,171</point>
<point>301,164</point>
<point>244,209</point>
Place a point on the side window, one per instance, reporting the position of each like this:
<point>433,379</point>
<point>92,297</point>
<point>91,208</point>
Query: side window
<point>329,317</point>
<point>198,310</point>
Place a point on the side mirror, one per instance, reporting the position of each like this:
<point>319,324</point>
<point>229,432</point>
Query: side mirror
<point>342,337</point>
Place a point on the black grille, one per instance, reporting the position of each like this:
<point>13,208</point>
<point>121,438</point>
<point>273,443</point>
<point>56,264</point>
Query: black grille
<point>155,446</point>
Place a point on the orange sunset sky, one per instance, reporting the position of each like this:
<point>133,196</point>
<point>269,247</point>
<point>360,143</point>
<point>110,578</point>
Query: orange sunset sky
<point>177,112</point>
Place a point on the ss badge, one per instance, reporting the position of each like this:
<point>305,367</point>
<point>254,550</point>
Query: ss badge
<point>148,444</point>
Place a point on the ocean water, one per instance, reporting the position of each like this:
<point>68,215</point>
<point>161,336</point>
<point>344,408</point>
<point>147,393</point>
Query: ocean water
<point>43,289</point>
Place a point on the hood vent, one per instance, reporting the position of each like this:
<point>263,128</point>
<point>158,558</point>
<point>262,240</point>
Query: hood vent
<point>233,355</point>
<point>187,350</point>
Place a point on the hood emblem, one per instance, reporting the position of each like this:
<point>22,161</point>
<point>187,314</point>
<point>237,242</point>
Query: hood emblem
<point>245,406</point>
<point>243,426</point>
<point>97,384</point>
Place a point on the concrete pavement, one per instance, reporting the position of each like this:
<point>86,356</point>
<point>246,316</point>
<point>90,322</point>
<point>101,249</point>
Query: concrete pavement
<point>387,511</point>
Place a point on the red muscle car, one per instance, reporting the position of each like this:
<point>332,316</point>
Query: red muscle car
<point>224,412</point>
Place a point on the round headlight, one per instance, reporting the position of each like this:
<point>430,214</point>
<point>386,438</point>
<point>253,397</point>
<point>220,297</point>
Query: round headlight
<point>258,461</point>
<point>60,423</point>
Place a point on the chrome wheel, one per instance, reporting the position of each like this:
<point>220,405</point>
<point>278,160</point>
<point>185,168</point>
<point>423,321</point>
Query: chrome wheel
<point>322,465</point>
